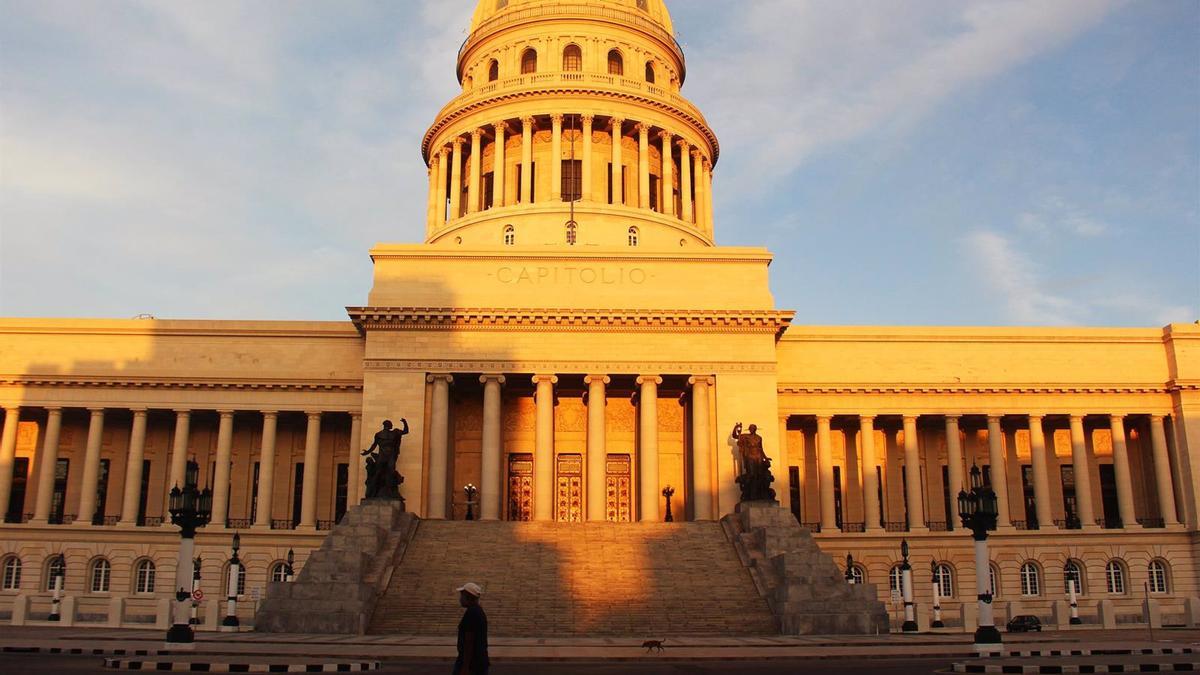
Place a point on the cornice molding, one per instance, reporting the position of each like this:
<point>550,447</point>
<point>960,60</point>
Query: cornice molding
<point>976,335</point>
<point>562,367</point>
<point>721,254</point>
<point>996,388</point>
<point>424,318</point>
<point>177,383</point>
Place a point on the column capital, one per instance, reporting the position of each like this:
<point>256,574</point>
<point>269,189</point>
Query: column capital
<point>1077,417</point>
<point>556,118</point>
<point>500,127</point>
<point>269,413</point>
<point>995,417</point>
<point>225,413</point>
<point>443,152</point>
<point>12,409</point>
<point>1036,416</point>
<point>826,419</point>
<point>616,121</point>
<point>436,377</point>
<point>313,414</point>
<point>587,119</point>
<point>911,418</point>
<point>458,142</point>
<point>491,377</point>
<point>552,379</point>
<point>648,379</point>
<point>96,411</point>
<point>476,134</point>
<point>683,144</point>
<point>952,416</point>
<point>697,154</point>
<point>666,135</point>
<point>706,163</point>
<point>527,121</point>
<point>588,379</point>
<point>356,415</point>
<point>137,412</point>
<point>643,128</point>
<point>1157,418</point>
<point>701,379</point>
<point>58,408</point>
<point>435,159</point>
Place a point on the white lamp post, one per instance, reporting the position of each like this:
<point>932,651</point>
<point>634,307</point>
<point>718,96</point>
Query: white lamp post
<point>906,588</point>
<point>190,509</point>
<point>230,623</point>
<point>1072,579</point>
<point>937,596</point>
<point>57,572</point>
<point>979,511</point>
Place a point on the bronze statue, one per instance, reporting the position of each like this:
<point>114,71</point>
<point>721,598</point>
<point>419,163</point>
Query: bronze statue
<point>383,481</point>
<point>755,479</point>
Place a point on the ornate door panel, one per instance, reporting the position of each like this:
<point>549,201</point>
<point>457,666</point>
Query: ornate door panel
<point>618,489</point>
<point>520,487</point>
<point>569,495</point>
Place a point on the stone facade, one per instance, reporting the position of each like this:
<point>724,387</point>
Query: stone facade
<point>573,370</point>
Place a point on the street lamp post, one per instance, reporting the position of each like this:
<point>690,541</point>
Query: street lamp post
<point>979,511</point>
<point>470,491</point>
<point>195,618</point>
<point>850,569</point>
<point>937,596</point>
<point>230,623</point>
<point>669,492</point>
<point>289,572</point>
<point>906,588</point>
<point>1072,576</point>
<point>57,571</point>
<point>190,509</point>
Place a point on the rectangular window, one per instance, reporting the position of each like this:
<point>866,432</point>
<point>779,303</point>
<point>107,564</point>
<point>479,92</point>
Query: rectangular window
<point>489,182</point>
<point>794,491</point>
<point>101,492</point>
<point>1068,491</point>
<point>532,181</point>
<point>1031,521</point>
<point>655,187</point>
<point>946,498</point>
<point>624,192</point>
<point>1108,496</point>
<point>879,495</point>
<point>254,494</point>
<point>297,494</point>
<point>16,498</point>
<point>837,495</point>
<point>572,180</point>
<point>61,470</point>
<point>145,492</point>
<point>342,493</point>
<point>904,492</point>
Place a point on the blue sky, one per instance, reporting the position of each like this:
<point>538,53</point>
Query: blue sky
<point>942,162</point>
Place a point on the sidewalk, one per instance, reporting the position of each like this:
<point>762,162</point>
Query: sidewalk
<point>383,647</point>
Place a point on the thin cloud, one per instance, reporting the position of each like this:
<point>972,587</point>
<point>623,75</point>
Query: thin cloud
<point>1015,278</point>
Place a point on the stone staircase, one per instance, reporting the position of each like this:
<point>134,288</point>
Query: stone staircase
<point>559,579</point>
<point>338,586</point>
<point>802,585</point>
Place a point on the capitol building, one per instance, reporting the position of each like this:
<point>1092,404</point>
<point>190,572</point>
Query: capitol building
<point>570,340</point>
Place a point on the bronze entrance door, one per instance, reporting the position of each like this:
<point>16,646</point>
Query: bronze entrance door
<point>569,496</point>
<point>618,489</point>
<point>520,487</point>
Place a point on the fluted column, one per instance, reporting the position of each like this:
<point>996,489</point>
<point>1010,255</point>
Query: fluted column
<point>498,166</point>
<point>456,178</point>
<point>825,473</point>
<point>954,464</point>
<point>556,121</point>
<point>685,180</point>
<point>266,470</point>
<point>431,207</point>
<point>91,467</point>
<point>1083,475</point>
<point>220,512</point>
<point>312,458</point>
<point>476,170</point>
<point>489,477</point>
<point>597,445</point>
<point>179,448</point>
<point>439,444</point>
<point>1120,454</point>
<point>1041,473</point>
<point>354,491</point>
<point>48,459</point>
<point>442,166</point>
<point>526,159</point>
<point>618,187</point>
<point>1162,471</point>
<point>648,452</point>
<point>698,194</point>
<point>706,181</point>
<point>871,505</point>
<point>543,448</point>
<point>133,469</point>
<point>586,172</point>
<point>913,482</point>
<point>643,130</point>
<point>8,453</point>
<point>702,497</point>
<point>999,470</point>
<point>668,175</point>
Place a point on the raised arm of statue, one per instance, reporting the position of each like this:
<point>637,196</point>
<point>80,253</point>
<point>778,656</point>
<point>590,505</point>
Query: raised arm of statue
<point>403,426</point>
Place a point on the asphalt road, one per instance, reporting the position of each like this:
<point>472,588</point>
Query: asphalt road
<point>19,664</point>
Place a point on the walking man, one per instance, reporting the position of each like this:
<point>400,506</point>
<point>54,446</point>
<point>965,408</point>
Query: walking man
<point>472,633</point>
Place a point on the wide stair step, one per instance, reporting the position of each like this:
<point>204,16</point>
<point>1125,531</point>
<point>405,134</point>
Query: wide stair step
<point>551,579</point>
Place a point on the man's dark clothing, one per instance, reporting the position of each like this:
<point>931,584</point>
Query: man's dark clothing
<point>473,621</point>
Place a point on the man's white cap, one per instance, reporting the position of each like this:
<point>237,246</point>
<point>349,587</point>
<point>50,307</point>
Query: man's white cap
<point>471,588</point>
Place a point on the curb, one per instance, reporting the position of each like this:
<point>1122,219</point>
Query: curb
<point>246,667</point>
<point>88,652</point>
<point>1079,668</point>
<point>1144,651</point>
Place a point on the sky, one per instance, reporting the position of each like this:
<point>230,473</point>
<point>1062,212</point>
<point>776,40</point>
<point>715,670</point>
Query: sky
<point>932,162</point>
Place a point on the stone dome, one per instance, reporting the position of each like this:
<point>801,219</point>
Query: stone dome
<point>654,10</point>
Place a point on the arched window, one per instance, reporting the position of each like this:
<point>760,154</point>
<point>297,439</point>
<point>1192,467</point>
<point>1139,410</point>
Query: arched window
<point>501,4</point>
<point>101,575</point>
<point>1114,575</point>
<point>616,65</point>
<point>467,81</point>
<point>994,580</point>
<point>858,574</point>
<point>241,580</point>
<point>650,72</point>
<point>12,574</point>
<point>1073,570</point>
<point>1031,580</point>
<point>279,571</point>
<point>1158,577</point>
<point>529,61</point>
<point>944,578</point>
<point>572,233</point>
<point>55,567</point>
<point>494,71</point>
<point>510,235</point>
<point>633,236</point>
<point>895,579</point>
<point>572,58</point>
<point>144,574</point>
<point>643,5</point>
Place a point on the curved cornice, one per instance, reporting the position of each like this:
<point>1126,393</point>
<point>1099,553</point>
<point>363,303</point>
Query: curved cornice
<point>982,388</point>
<point>109,382</point>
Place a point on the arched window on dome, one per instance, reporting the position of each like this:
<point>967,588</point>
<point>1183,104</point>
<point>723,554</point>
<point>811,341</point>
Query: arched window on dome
<point>501,4</point>
<point>643,5</point>
<point>529,61</point>
<point>494,71</point>
<point>510,235</point>
<point>468,81</point>
<point>633,236</point>
<point>650,72</point>
<point>616,64</point>
<point>572,233</point>
<point>572,58</point>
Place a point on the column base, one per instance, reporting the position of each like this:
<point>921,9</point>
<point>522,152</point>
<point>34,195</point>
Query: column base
<point>1006,529</point>
<point>1075,621</point>
<point>908,627</point>
<point>918,530</point>
<point>180,635</point>
<point>265,527</point>
<point>304,528</point>
<point>987,636</point>
<point>938,624</point>
<point>1090,527</point>
<point>38,522</point>
<point>1174,527</point>
<point>875,530</point>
